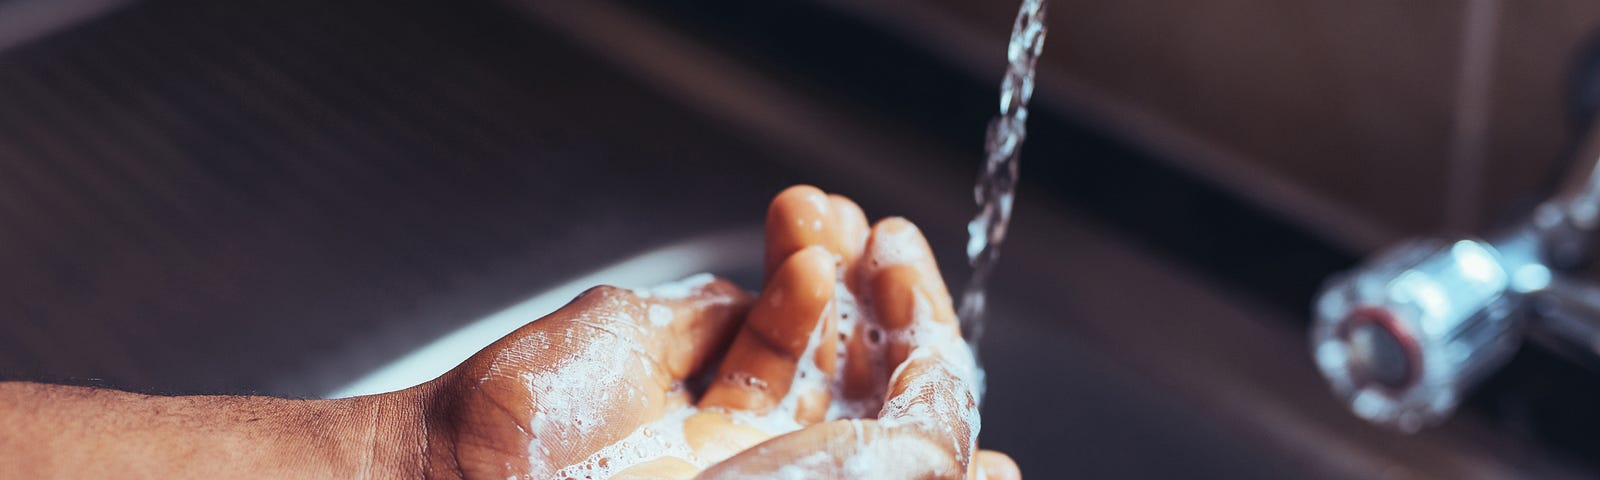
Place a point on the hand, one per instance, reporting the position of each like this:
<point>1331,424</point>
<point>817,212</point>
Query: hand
<point>899,359</point>
<point>553,392</point>
<point>850,312</point>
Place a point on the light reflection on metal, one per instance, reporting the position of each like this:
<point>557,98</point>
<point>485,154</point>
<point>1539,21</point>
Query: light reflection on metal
<point>1404,336</point>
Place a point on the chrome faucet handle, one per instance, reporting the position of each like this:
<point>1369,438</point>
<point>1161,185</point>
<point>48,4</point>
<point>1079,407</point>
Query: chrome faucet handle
<point>1404,336</point>
<point>1569,312</point>
<point>1568,222</point>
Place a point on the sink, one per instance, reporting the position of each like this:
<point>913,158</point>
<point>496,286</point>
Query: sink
<point>728,254</point>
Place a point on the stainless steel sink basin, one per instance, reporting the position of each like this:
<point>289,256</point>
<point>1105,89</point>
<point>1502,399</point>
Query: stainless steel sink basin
<point>729,254</point>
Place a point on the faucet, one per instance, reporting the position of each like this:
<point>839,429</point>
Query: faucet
<point>1405,335</point>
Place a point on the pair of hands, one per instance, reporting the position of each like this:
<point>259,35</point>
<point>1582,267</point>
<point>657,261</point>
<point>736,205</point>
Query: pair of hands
<point>558,390</point>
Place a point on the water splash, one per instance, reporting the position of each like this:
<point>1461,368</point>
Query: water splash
<point>997,182</point>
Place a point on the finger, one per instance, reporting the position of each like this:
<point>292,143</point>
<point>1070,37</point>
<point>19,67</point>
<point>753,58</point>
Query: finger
<point>994,465</point>
<point>780,347</point>
<point>803,216</point>
<point>934,397</point>
<point>841,449</point>
<point>932,391</point>
<point>850,234</point>
<point>927,429</point>
<point>688,322</point>
<point>896,248</point>
<point>906,295</point>
<point>933,388</point>
<point>713,436</point>
<point>797,218</point>
<point>664,468</point>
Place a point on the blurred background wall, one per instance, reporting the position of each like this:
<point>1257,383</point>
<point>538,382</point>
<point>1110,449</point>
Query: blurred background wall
<point>1382,118</point>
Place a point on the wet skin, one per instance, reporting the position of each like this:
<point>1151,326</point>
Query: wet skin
<point>556,391</point>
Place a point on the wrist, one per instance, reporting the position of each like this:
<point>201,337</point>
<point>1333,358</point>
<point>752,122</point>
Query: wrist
<point>385,435</point>
<point>434,402</point>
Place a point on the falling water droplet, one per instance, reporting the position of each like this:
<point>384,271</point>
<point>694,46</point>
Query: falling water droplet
<point>997,182</point>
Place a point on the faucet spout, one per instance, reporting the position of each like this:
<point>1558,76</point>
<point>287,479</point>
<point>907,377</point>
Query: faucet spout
<point>1405,335</point>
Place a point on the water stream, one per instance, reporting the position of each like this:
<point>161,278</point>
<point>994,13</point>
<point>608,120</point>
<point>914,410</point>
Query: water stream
<point>997,182</point>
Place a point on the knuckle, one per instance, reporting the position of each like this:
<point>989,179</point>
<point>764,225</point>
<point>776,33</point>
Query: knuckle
<point>605,292</point>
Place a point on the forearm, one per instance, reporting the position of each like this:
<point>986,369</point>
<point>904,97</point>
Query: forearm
<point>49,431</point>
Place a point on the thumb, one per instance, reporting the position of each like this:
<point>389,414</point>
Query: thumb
<point>690,322</point>
<point>586,375</point>
<point>678,326</point>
